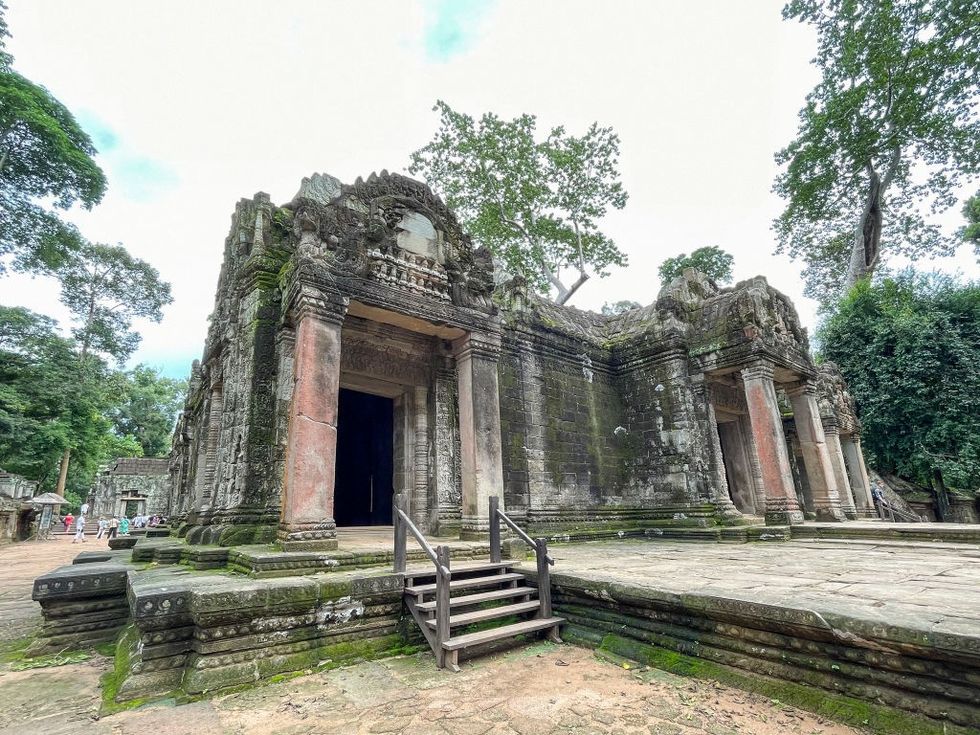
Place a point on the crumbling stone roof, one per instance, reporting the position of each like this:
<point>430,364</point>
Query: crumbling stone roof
<point>140,466</point>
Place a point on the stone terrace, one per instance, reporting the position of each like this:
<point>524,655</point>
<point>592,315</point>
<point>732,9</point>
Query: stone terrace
<point>934,588</point>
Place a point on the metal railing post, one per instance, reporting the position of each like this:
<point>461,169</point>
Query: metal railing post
<point>494,529</point>
<point>401,533</point>
<point>443,577</point>
<point>544,578</point>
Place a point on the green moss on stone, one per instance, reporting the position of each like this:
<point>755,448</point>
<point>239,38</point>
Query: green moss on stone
<point>837,707</point>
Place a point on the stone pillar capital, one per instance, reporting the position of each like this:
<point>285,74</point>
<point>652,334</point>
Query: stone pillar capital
<point>310,301</point>
<point>830,424</point>
<point>801,388</point>
<point>286,336</point>
<point>760,369</point>
<point>477,344</point>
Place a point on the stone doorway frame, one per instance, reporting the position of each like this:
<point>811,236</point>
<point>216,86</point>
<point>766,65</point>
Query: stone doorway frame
<point>307,520</point>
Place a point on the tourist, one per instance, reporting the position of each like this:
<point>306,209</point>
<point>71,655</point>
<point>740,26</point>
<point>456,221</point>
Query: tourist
<point>113,527</point>
<point>68,519</point>
<point>103,528</point>
<point>124,526</point>
<point>79,530</point>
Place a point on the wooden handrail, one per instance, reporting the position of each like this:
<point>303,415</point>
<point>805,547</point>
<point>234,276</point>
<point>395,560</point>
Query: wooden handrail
<point>541,555</point>
<point>495,513</point>
<point>403,523</point>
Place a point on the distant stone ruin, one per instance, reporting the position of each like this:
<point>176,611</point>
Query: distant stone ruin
<point>359,347</point>
<point>131,486</point>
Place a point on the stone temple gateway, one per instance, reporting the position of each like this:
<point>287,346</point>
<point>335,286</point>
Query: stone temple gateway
<point>359,346</point>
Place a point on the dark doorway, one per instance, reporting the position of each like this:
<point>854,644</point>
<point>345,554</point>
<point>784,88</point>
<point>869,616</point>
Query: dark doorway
<point>363,488</point>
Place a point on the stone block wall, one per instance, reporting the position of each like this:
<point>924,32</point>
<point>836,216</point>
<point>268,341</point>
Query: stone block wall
<point>146,478</point>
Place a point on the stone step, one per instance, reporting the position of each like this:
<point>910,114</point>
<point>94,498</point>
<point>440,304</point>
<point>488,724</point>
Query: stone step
<point>496,634</point>
<point>491,613</point>
<point>464,600</point>
<point>462,584</point>
<point>488,566</point>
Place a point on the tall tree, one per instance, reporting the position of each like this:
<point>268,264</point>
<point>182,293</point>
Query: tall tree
<point>886,138</point>
<point>105,288</point>
<point>148,409</point>
<point>711,260</point>
<point>45,156</point>
<point>910,350</point>
<point>47,406</point>
<point>970,232</point>
<point>535,204</point>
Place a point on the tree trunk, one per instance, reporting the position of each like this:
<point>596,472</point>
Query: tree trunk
<point>867,235</point>
<point>942,495</point>
<point>63,474</point>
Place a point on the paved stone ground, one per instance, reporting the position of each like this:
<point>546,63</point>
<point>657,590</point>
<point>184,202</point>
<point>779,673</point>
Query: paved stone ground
<point>20,563</point>
<point>540,690</point>
<point>928,586</point>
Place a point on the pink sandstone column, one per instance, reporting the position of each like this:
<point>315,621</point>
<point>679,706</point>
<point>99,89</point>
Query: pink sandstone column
<point>481,463</point>
<point>816,454</point>
<point>831,431</point>
<point>860,484</point>
<point>767,430</point>
<point>311,446</point>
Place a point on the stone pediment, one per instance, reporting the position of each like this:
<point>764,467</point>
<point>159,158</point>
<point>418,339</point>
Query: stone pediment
<point>391,229</point>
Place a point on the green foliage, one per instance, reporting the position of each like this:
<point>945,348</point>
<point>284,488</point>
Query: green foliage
<point>611,308</point>
<point>970,232</point>
<point>4,33</point>
<point>49,403</point>
<point>714,262</point>
<point>535,204</point>
<point>105,288</point>
<point>148,410</point>
<point>910,350</point>
<point>887,136</point>
<point>45,156</point>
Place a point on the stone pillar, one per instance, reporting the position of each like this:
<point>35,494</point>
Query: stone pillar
<point>447,451</point>
<point>767,431</point>
<point>832,433</point>
<point>816,453</point>
<point>722,498</point>
<point>211,457</point>
<point>755,467</point>
<point>860,484</point>
<point>481,463</point>
<point>307,520</point>
<point>420,457</point>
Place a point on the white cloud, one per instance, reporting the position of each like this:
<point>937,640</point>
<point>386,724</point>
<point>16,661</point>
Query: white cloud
<point>235,97</point>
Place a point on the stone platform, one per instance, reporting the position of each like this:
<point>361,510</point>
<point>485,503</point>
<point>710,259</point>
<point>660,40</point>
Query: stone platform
<point>858,629</point>
<point>873,628</point>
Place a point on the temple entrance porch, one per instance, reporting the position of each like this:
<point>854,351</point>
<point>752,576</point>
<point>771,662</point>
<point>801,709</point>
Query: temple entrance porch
<point>382,402</point>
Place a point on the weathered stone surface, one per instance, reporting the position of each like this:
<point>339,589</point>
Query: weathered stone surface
<point>895,625</point>
<point>130,486</point>
<point>574,419</point>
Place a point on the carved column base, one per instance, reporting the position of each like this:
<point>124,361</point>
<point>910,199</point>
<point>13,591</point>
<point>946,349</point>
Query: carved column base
<point>831,514</point>
<point>320,536</point>
<point>475,528</point>
<point>727,512</point>
<point>783,512</point>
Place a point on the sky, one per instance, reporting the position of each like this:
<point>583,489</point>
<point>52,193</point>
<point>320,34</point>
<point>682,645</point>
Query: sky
<point>194,105</point>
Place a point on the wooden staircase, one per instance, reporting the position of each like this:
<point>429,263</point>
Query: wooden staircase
<point>474,604</point>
